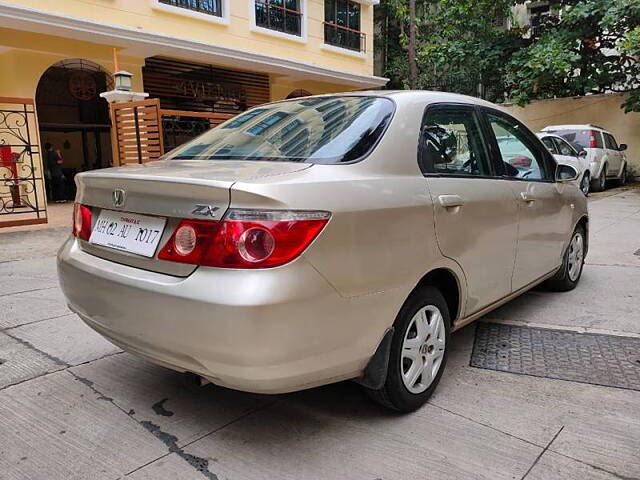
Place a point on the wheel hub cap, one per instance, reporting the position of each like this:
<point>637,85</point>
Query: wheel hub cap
<point>423,349</point>
<point>576,255</point>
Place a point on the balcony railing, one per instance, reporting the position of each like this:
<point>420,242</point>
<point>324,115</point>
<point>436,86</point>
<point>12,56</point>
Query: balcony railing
<point>209,7</point>
<point>344,37</point>
<point>278,18</point>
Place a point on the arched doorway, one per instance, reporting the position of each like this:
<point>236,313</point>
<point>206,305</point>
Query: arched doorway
<point>73,118</point>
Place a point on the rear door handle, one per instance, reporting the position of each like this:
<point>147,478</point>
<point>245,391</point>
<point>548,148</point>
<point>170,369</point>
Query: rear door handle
<point>451,201</point>
<point>527,197</point>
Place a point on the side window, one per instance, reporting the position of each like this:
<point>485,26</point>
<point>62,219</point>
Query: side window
<point>564,148</point>
<point>452,143</point>
<point>517,149</point>
<point>610,142</point>
<point>548,142</point>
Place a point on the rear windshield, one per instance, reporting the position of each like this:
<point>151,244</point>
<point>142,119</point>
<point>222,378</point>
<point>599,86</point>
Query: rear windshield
<point>315,130</point>
<point>580,138</point>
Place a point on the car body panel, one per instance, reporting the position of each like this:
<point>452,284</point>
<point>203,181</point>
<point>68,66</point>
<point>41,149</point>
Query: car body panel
<point>319,318</point>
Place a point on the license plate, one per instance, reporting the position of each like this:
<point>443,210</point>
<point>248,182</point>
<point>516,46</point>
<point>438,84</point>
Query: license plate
<point>128,232</point>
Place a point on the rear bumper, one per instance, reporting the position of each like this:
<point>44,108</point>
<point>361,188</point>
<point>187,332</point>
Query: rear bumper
<point>266,331</point>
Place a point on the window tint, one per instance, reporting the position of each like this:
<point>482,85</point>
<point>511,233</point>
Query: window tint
<point>564,148</point>
<point>517,149</point>
<point>583,138</point>
<point>452,143</point>
<point>548,142</point>
<point>610,142</point>
<point>320,130</point>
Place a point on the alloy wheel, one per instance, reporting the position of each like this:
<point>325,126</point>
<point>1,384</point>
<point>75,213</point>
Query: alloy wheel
<point>584,186</point>
<point>576,255</point>
<point>423,349</point>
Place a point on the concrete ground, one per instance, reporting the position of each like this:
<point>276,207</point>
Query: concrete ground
<point>72,406</point>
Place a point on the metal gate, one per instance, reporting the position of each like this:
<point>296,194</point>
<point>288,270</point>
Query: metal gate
<point>22,190</point>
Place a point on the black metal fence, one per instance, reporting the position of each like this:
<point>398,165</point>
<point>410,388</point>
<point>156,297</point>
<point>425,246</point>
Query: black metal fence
<point>279,18</point>
<point>21,181</point>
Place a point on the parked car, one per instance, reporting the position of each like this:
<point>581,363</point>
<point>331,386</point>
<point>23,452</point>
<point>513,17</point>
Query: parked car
<point>567,154</point>
<point>606,160</point>
<point>321,239</point>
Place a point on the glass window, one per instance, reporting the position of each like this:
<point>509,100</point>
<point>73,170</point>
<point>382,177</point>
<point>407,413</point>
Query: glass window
<point>280,15</point>
<point>517,149</point>
<point>564,148</point>
<point>452,143</point>
<point>211,7</point>
<point>610,142</point>
<point>342,24</point>
<point>297,131</point>
<point>586,138</point>
<point>548,142</point>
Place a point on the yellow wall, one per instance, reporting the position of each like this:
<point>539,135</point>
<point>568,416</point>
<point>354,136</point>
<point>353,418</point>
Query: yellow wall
<point>602,110</point>
<point>141,15</point>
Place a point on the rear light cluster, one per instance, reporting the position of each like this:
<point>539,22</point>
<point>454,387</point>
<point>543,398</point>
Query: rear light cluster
<point>245,238</point>
<point>81,222</point>
<point>592,138</point>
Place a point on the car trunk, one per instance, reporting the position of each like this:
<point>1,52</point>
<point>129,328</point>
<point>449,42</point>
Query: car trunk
<point>173,190</point>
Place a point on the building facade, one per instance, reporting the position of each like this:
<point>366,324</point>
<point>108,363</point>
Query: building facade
<point>201,61</point>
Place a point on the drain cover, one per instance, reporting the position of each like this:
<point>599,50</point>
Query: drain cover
<point>578,357</point>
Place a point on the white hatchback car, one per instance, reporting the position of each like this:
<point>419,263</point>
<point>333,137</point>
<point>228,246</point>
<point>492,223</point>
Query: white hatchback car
<point>567,154</point>
<point>606,160</point>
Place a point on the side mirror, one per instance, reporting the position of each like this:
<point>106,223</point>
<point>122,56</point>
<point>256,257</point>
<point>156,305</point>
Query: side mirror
<point>622,147</point>
<point>582,153</point>
<point>566,173</point>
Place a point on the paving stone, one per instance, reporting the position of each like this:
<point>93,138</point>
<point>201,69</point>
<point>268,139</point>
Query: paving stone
<point>552,466</point>
<point>330,433</point>
<point>170,400</point>
<point>30,244</point>
<point>169,467</point>
<point>66,338</point>
<point>21,308</point>
<point>56,427</point>
<point>19,362</point>
<point>601,424</point>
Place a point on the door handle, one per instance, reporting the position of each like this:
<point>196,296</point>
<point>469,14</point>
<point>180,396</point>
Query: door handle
<point>527,197</point>
<point>451,201</point>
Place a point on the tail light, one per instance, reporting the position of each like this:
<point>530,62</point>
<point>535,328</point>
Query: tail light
<point>245,238</point>
<point>592,139</point>
<point>81,221</point>
<point>521,161</point>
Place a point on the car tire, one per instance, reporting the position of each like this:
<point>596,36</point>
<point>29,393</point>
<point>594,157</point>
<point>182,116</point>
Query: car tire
<point>622,181</point>
<point>600,183</point>
<point>585,184</point>
<point>419,345</point>
<point>572,263</point>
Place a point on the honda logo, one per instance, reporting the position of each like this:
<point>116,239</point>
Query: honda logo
<point>118,196</point>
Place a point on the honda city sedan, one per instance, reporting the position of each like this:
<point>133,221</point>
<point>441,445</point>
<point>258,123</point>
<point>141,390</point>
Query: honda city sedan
<point>321,239</point>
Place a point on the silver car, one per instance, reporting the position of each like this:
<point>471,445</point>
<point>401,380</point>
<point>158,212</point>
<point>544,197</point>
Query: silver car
<point>567,154</point>
<point>322,239</point>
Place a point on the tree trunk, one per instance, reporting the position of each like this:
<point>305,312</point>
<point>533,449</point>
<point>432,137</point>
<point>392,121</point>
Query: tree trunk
<point>413,67</point>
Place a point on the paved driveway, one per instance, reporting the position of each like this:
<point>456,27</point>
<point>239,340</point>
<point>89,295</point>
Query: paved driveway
<point>72,406</point>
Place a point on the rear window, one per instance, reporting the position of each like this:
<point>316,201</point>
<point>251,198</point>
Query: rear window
<point>580,138</point>
<point>316,130</point>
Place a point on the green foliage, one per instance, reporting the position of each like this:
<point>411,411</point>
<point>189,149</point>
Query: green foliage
<point>592,47</point>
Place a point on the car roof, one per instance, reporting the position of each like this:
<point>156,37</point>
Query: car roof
<point>427,96</point>
<point>586,126</point>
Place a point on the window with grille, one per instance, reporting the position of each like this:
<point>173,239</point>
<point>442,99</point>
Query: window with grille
<point>342,25</point>
<point>210,7</point>
<point>280,15</point>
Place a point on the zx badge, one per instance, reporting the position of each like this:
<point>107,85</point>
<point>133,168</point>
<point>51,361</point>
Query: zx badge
<point>205,210</point>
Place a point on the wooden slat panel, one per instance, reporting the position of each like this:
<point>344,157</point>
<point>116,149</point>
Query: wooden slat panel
<point>138,131</point>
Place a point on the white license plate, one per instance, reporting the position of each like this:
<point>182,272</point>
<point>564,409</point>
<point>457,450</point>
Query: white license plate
<point>128,232</point>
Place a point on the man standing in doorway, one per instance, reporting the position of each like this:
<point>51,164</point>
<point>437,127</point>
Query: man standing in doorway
<point>53,161</point>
